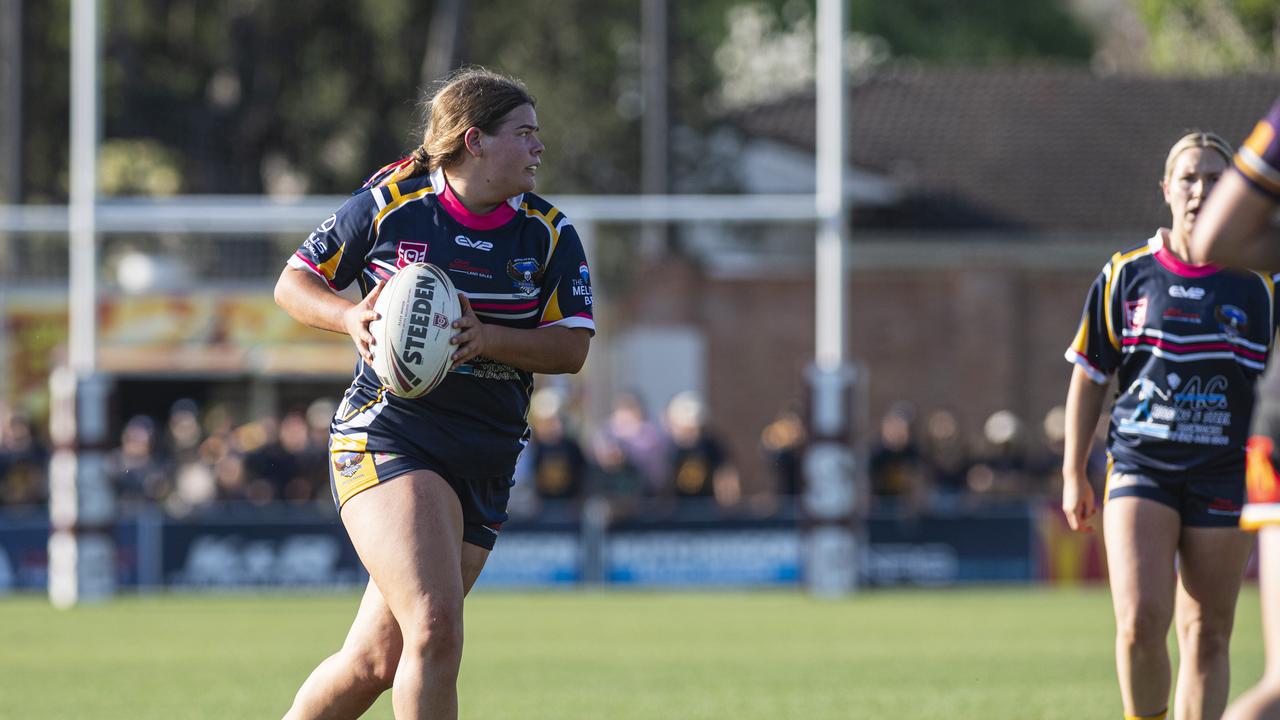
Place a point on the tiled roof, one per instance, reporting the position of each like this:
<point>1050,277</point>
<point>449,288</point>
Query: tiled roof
<point>1041,149</point>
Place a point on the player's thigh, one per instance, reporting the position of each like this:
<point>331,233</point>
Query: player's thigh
<point>408,533</point>
<point>1141,541</point>
<point>1211,562</point>
<point>473,560</point>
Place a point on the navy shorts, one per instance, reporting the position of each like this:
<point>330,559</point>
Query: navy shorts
<point>1200,503</point>
<point>484,499</point>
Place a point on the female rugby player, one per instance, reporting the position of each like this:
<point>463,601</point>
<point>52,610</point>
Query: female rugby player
<point>422,485</point>
<point>1185,343</point>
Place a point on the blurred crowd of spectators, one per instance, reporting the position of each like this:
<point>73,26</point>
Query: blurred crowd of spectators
<point>641,465</point>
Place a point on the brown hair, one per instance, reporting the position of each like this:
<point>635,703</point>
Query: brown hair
<point>468,97</point>
<point>1197,139</point>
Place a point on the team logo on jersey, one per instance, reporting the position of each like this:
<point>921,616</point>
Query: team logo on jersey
<point>1233,321</point>
<point>581,285</point>
<point>526,274</point>
<point>347,464</point>
<point>410,251</point>
<point>1186,293</point>
<point>1135,312</point>
<point>466,242</point>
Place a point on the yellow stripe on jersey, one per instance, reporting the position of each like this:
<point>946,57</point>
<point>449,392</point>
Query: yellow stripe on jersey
<point>330,267</point>
<point>1106,487</point>
<point>1081,344</point>
<point>1118,261</point>
<point>397,201</point>
<point>549,221</point>
<point>552,312</point>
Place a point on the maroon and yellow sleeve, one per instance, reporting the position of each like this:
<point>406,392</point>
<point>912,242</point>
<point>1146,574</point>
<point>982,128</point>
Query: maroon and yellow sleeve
<point>1258,159</point>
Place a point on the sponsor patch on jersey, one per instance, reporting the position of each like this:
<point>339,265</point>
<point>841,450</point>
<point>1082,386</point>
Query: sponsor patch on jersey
<point>1186,293</point>
<point>1174,314</point>
<point>466,242</point>
<point>466,267</point>
<point>382,458</point>
<point>410,251</point>
<point>1233,321</point>
<point>526,274</point>
<point>1135,312</point>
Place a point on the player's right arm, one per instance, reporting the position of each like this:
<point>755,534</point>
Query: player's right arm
<point>1095,354</point>
<point>1084,406</point>
<point>329,260</point>
<point>309,300</point>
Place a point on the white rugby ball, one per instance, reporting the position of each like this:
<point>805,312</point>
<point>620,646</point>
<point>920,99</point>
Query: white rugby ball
<point>411,347</point>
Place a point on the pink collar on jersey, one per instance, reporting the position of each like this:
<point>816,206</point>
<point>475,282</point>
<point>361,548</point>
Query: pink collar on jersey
<point>1177,265</point>
<point>495,218</point>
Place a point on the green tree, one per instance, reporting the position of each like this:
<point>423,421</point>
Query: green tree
<point>1212,36</point>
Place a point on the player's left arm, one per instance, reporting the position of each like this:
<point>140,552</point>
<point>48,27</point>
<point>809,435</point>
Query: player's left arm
<point>1235,228</point>
<point>548,350</point>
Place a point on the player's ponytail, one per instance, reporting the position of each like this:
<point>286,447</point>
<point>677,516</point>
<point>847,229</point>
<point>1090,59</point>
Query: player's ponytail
<point>467,98</point>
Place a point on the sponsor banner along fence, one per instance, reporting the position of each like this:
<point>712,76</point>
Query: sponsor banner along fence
<point>289,547</point>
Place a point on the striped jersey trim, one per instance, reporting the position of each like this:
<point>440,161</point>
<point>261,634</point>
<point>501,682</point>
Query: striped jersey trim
<point>301,262</point>
<point>1094,373</point>
<point>397,201</point>
<point>1118,261</point>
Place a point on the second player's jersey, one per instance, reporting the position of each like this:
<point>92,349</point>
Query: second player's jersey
<point>1258,159</point>
<point>1186,344</point>
<point>521,266</point>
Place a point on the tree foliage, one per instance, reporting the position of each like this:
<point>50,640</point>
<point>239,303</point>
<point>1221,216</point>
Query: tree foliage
<point>1212,36</point>
<point>252,96</point>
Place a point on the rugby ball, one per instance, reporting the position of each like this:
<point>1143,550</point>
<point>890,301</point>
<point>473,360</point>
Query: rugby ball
<point>411,347</point>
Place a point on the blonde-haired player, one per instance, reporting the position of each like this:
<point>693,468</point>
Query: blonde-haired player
<point>1185,344</point>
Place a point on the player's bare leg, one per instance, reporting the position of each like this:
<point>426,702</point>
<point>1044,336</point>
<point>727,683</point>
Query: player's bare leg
<point>349,681</point>
<point>1211,565</point>
<point>1262,702</point>
<point>1142,538</point>
<point>346,683</point>
<point>408,533</point>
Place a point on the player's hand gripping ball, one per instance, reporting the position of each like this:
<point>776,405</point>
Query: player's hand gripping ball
<point>411,347</point>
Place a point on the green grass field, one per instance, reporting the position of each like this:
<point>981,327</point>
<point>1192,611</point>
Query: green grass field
<point>992,653</point>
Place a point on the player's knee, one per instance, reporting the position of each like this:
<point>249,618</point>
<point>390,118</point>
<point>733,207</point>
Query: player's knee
<point>1142,626</point>
<point>375,665</point>
<point>435,633</point>
<point>1205,638</point>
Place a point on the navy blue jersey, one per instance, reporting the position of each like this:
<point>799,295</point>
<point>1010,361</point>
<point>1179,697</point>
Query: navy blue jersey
<point>528,272</point>
<point>1186,345</point>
